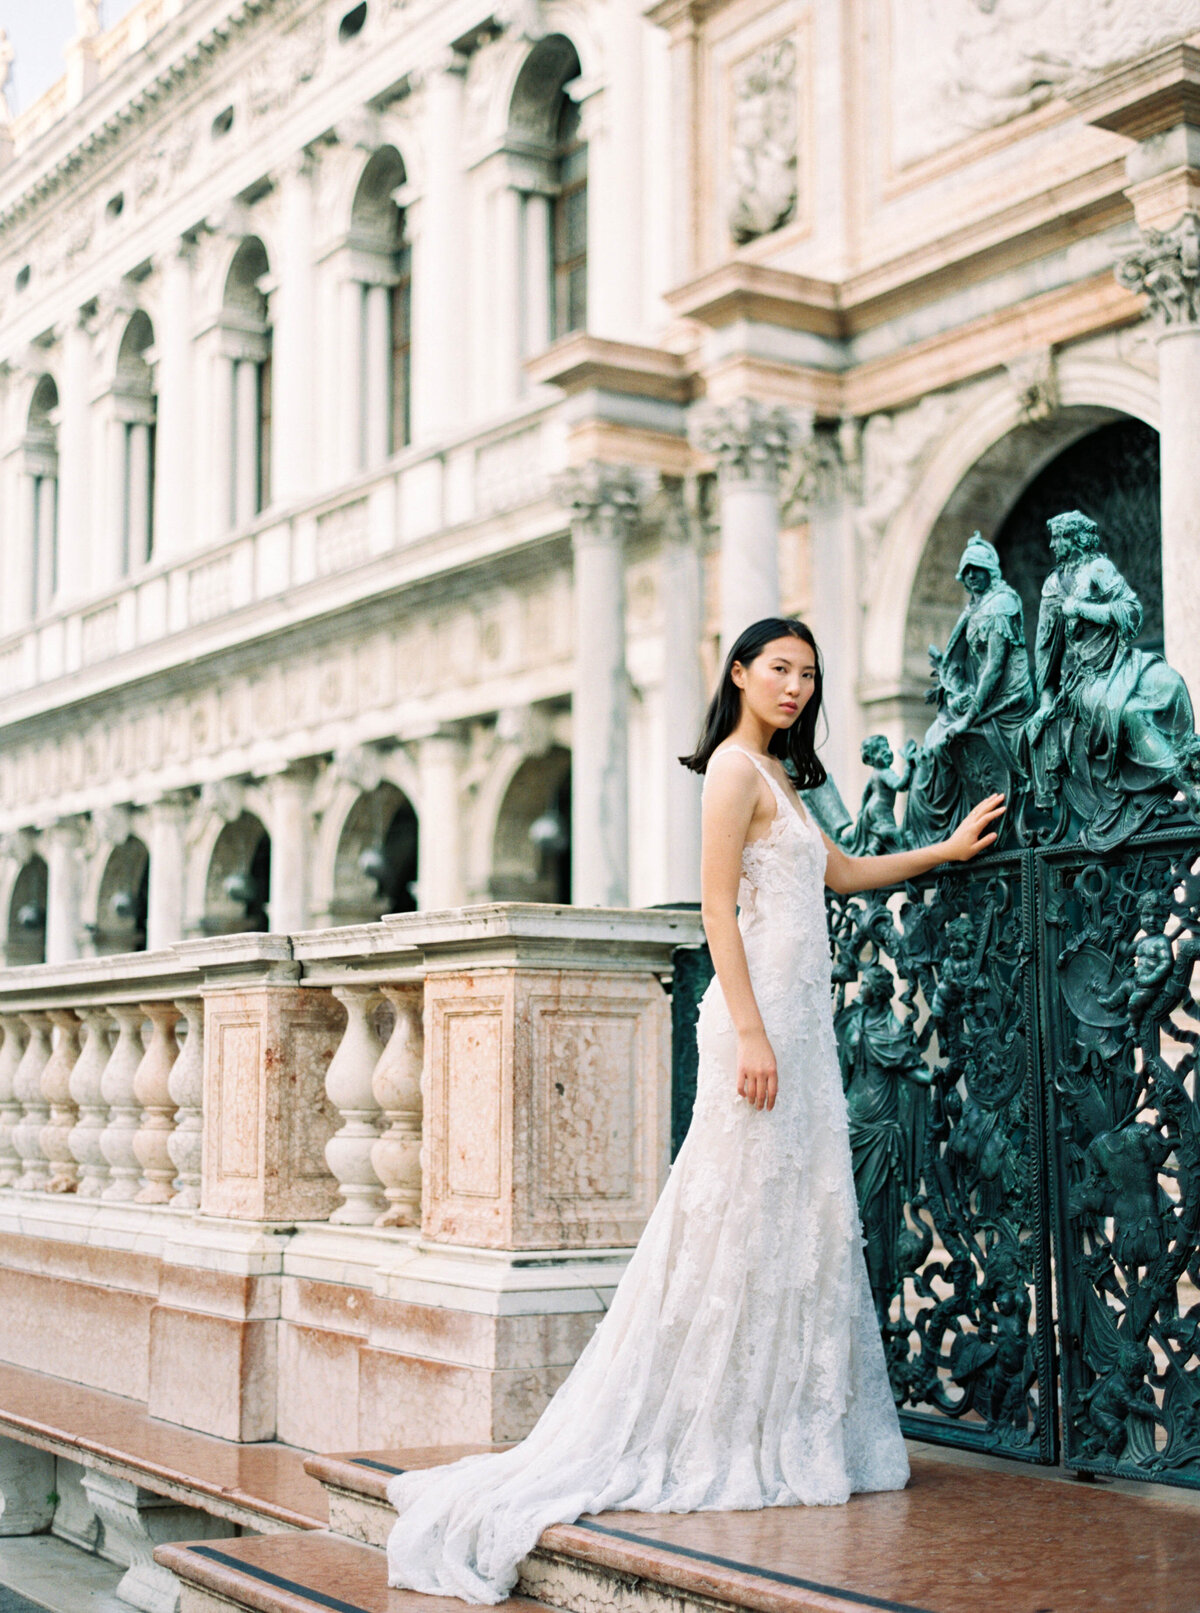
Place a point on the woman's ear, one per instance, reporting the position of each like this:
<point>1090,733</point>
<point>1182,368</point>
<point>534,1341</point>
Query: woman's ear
<point>737,673</point>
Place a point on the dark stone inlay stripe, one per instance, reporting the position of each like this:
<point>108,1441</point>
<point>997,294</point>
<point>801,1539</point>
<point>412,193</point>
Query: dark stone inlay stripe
<point>671,1549</point>
<point>380,1467</point>
<point>277,1580</point>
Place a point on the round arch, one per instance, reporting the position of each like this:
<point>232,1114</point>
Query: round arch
<point>531,842</point>
<point>972,478</point>
<point>26,938</point>
<point>119,924</point>
<point>238,878</point>
<point>374,865</point>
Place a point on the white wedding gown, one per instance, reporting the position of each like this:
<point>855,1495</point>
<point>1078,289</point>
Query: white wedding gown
<point>740,1364</point>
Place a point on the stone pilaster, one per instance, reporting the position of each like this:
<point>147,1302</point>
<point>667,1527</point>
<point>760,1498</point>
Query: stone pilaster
<point>1167,269</point>
<point>751,444</point>
<point>174,523</point>
<point>167,835</point>
<point>439,875</point>
<point>682,689</point>
<point>604,501</point>
<point>295,337</point>
<point>290,794</point>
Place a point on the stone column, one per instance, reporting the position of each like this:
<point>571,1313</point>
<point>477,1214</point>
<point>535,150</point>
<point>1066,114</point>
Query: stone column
<point>603,500</point>
<point>167,845</point>
<point>245,441</point>
<point>439,882</point>
<point>61,843</point>
<point>137,507</point>
<point>223,448</point>
<point>1167,269</point>
<point>349,377</point>
<point>438,280</point>
<point>295,337</point>
<point>291,849</point>
<point>74,456</point>
<point>751,444</point>
<point>682,691</point>
<point>377,376</point>
<point>173,518</point>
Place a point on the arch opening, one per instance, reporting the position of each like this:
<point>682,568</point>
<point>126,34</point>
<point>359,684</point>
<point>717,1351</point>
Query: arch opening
<point>531,848</point>
<point>1003,496</point>
<point>238,886</point>
<point>26,940</point>
<point>375,870</point>
<point>122,904</point>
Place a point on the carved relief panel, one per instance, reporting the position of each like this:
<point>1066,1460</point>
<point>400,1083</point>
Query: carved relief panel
<point>754,126</point>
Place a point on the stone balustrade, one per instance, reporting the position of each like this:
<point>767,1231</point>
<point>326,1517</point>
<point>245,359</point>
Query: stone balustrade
<point>373,1182</point>
<point>520,1051</point>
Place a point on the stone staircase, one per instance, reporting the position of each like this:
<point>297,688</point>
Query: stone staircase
<point>970,1535</point>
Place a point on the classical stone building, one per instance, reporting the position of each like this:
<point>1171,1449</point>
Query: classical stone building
<point>399,402</point>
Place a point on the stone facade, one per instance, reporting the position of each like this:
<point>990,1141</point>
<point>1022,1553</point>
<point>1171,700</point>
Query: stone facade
<point>376,380</point>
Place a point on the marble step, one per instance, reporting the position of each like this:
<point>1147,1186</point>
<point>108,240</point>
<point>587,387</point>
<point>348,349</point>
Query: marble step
<point>262,1487</point>
<point>971,1534</point>
<point>311,1573</point>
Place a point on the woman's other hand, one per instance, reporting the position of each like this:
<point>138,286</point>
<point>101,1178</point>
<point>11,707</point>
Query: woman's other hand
<point>757,1078</point>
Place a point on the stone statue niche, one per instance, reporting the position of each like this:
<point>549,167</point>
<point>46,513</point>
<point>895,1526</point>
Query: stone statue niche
<point>983,698</point>
<point>1112,743</point>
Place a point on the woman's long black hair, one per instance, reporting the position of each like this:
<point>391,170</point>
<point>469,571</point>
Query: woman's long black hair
<point>796,746</point>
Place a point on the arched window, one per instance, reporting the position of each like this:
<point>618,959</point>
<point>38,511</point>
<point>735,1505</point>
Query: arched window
<point>246,347</point>
<point>41,499</point>
<point>382,293</point>
<point>550,176</point>
<point>136,413</point>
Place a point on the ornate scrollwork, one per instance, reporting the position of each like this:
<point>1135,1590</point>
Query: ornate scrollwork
<point>931,999</point>
<point>1123,1027</point>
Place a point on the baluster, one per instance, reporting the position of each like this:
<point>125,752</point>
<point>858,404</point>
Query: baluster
<point>348,1083</point>
<point>396,1157</point>
<point>117,1090</point>
<point>35,1111</point>
<point>152,1089</point>
<point>56,1090</point>
<point>87,1080</point>
<point>10,1107</point>
<point>186,1087</point>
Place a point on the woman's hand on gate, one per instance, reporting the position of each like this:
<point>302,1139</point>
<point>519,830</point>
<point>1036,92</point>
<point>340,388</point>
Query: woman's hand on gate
<point>973,835</point>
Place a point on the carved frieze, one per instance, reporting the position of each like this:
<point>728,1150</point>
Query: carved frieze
<point>955,70</point>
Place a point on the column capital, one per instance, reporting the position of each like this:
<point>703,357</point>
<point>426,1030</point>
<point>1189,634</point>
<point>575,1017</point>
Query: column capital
<point>1167,270</point>
<point>751,441</point>
<point>605,500</point>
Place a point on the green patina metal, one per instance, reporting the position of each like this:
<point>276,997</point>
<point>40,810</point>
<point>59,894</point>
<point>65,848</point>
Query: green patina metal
<point>1018,1038</point>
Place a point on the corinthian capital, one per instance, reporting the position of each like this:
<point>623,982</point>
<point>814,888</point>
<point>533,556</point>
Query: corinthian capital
<point>1167,269</point>
<point>603,499</point>
<point>750,441</point>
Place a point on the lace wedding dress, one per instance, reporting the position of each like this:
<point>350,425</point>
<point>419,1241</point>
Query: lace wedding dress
<point>739,1365</point>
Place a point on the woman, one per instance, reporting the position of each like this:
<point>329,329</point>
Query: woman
<point>739,1365</point>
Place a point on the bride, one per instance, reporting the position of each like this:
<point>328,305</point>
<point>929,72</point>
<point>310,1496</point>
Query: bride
<point>739,1364</point>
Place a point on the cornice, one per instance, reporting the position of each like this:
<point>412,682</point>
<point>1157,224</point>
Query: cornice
<point>1145,98</point>
<point>123,102</point>
<point>581,362</point>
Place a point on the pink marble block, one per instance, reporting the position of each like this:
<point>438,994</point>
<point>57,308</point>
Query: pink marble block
<point>266,1116</point>
<point>547,1118</point>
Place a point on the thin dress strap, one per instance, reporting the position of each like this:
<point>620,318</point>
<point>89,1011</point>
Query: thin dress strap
<point>797,811</point>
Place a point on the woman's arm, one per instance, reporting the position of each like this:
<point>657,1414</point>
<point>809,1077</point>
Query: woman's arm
<point>731,794</point>
<point>847,875</point>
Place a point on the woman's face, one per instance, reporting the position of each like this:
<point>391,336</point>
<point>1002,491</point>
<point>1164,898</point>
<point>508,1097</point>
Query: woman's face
<point>779,682</point>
